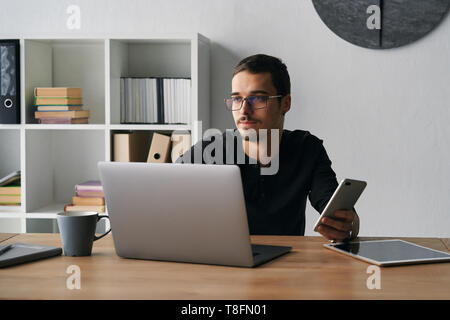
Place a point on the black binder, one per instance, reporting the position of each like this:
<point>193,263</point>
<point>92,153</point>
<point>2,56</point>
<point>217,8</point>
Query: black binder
<point>10,81</point>
<point>160,88</point>
<point>25,252</point>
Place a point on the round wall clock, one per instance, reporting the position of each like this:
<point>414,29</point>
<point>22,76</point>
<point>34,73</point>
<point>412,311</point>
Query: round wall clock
<point>381,24</point>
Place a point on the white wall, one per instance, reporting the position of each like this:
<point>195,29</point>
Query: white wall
<point>383,115</point>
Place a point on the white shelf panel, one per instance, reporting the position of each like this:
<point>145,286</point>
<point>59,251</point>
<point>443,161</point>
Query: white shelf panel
<point>10,208</point>
<point>9,126</point>
<point>47,212</point>
<point>10,214</point>
<point>151,127</point>
<point>50,211</point>
<point>65,126</point>
<point>149,36</point>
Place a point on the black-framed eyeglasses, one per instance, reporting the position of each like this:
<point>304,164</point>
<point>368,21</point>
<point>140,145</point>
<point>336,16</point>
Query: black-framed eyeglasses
<point>254,102</point>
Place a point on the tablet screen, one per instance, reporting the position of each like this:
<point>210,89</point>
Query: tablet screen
<point>390,250</point>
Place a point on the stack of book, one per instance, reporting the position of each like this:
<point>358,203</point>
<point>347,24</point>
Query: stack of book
<point>10,191</point>
<point>155,100</point>
<point>60,105</point>
<point>89,196</point>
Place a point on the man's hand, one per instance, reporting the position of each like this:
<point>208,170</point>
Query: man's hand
<point>343,226</point>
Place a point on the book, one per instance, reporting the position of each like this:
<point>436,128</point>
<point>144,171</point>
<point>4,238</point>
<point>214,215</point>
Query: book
<point>71,208</point>
<point>64,120</point>
<point>10,190</point>
<point>59,108</point>
<point>10,199</point>
<point>90,194</point>
<point>91,185</point>
<point>57,101</point>
<point>58,92</point>
<point>62,114</point>
<point>83,201</point>
<point>13,177</point>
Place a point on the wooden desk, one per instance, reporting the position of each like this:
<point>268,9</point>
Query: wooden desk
<point>6,236</point>
<point>447,243</point>
<point>309,272</point>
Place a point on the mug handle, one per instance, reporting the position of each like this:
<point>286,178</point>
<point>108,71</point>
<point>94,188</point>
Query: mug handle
<point>98,219</point>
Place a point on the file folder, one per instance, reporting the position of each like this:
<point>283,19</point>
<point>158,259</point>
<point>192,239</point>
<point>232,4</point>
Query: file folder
<point>159,149</point>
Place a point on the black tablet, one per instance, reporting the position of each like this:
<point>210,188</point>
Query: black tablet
<point>389,252</point>
<point>18,253</point>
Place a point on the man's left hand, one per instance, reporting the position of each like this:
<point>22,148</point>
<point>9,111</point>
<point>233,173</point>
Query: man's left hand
<point>340,227</point>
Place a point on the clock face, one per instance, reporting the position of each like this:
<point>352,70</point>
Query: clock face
<point>381,24</point>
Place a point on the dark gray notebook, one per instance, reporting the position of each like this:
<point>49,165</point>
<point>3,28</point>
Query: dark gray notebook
<point>25,252</point>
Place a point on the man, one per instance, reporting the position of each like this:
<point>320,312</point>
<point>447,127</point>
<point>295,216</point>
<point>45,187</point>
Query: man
<point>275,203</point>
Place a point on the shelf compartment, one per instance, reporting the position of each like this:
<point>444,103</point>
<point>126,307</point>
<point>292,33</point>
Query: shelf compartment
<point>149,134</point>
<point>144,59</point>
<point>56,161</point>
<point>10,160</point>
<point>9,151</point>
<point>66,63</point>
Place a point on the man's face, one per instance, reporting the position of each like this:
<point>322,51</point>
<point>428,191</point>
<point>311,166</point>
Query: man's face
<point>246,84</point>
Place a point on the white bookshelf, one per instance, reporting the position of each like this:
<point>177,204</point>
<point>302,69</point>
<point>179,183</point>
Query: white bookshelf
<point>54,158</point>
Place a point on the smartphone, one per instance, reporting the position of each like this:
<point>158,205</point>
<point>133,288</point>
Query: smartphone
<point>343,198</point>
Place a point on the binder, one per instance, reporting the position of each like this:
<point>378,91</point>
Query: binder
<point>181,143</point>
<point>131,147</point>
<point>160,99</point>
<point>159,149</point>
<point>10,81</point>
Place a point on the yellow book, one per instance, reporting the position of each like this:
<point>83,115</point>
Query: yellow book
<point>71,208</point>
<point>85,201</point>
<point>58,92</point>
<point>10,190</point>
<point>8,199</point>
<point>62,114</point>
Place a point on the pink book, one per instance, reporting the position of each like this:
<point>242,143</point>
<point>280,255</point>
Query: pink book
<point>91,185</point>
<point>90,194</point>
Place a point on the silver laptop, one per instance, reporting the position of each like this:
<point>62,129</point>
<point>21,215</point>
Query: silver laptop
<point>181,212</point>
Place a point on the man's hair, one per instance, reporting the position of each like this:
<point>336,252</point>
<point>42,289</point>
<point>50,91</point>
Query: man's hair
<point>261,63</point>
